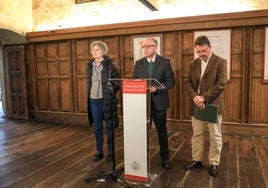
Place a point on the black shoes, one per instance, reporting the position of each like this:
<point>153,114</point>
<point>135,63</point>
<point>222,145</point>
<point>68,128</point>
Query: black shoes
<point>98,157</point>
<point>165,164</point>
<point>109,157</point>
<point>213,170</point>
<point>193,165</point>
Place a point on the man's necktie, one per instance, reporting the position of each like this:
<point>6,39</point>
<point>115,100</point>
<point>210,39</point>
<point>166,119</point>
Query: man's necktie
<point>150,69</point>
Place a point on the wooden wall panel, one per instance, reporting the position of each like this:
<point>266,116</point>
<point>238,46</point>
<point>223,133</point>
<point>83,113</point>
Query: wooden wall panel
<point>258,40</point>
<point>64,68</point>
<point>66,95</point>
<point>258,90</point>
<point>81,55</point>
<point>81,67</point>
<point>61,64</point>
<point>170,52</point>
<point>127,61</point>
<point>257,65</point>
<point>31,81</point>
<point>237,51</point>
<point>113,49</point>
<point>53,98</point>
<point>65,77</point>
<point>233,94</point>
<point>81,93</point>
<point>52,68</point>
<point>187,43</point>
<point>40,52</point>
<point>41,69</point>
<point>258,105</point>
<point>42,94</point>
<point>236,66</point>
<point>52,51</point>
<point>81,49</point>
<point>52,65</point>
<point>177,68</point>
<point>233,101</point>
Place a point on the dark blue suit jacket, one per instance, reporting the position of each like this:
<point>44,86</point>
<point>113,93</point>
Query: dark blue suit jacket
<point>163,73</point>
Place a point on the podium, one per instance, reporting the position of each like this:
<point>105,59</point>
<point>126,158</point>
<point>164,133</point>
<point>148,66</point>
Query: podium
<point>136,122</point>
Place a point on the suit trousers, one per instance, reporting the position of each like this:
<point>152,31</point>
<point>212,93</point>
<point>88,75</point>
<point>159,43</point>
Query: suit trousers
<point>159,118</point>
<point>215,136</point>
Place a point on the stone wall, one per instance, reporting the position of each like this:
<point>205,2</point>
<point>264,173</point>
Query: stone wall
<point>16,16</point>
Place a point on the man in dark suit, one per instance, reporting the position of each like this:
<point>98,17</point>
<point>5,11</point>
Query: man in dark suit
<point>157,67</point>
<point>205,82</point>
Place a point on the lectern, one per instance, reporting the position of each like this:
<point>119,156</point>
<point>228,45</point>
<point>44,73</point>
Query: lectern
<point>136,120</point>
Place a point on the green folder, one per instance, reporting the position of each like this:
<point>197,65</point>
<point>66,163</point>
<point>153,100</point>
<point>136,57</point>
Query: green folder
<point>209,114</point>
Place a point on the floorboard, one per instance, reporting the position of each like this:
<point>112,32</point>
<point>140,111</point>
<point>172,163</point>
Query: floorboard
<point>41,155</point>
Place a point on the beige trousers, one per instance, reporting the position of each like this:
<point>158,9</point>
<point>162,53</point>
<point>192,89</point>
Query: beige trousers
<point>215,140</point>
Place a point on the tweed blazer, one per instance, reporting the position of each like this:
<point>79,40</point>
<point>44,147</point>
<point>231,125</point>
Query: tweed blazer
<point>162,72</point>
<point>212,83</point>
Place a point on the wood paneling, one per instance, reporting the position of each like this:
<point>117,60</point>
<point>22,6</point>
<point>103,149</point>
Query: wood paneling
<point>170,51</point>
<point>127,61</point>
<point>60,60</point>
<point>53,77</point>
<point>233,101</point>
<point>258,102</point>
<point>258,90</point>
<point>187,43</point>
<point>81,52</point>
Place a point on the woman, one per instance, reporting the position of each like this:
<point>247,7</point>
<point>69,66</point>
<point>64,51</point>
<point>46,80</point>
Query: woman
<point>102,102</point>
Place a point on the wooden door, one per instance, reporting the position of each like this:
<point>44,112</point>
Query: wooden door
<point>15,82</point>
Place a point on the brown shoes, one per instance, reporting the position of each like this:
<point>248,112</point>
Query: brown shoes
<point>193,165</point>
<point>213,170</point>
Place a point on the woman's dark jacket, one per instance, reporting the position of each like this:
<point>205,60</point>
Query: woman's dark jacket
<point>109,90</point>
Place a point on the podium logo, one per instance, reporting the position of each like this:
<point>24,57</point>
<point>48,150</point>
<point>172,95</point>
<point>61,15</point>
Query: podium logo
<point>134,87</point>
<point>135,165</point>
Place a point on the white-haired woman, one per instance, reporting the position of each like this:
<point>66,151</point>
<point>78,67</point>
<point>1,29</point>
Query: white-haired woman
<point>102,102</point>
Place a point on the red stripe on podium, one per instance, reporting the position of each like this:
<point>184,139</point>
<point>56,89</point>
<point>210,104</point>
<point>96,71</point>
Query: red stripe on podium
<point>137,178</point>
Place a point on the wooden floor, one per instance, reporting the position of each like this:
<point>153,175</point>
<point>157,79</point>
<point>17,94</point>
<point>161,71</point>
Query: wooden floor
<point>34,154</point>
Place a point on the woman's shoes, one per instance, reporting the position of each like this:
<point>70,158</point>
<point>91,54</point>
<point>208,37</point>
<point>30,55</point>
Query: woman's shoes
<point>109,157</point>
<point>98,157</point>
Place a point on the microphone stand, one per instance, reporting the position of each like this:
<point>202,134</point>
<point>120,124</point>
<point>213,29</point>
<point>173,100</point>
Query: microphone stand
<point>114,174</point>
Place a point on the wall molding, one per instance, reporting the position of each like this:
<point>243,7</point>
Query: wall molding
<point>161,25</point>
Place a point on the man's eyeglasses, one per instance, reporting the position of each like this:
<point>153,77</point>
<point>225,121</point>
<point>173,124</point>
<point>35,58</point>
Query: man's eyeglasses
<point>202,51</point>
<point>149,46</point>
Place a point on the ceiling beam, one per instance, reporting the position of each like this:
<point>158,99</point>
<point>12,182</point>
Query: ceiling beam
<point>151,4</point>
<point>83,1</point>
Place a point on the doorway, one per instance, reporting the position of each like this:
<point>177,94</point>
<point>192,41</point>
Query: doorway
<point>14,55</point>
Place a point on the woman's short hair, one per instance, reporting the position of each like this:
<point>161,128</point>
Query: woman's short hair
<point>101,45</point>
<point>202,40</point>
